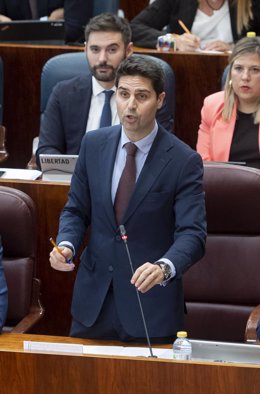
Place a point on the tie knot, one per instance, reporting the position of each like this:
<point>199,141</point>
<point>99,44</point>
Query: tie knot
<point>130,148</point>
<point>108,95</point>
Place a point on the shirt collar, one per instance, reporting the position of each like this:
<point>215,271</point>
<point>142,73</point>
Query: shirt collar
<point>97,88</point>
<point>145,143</point>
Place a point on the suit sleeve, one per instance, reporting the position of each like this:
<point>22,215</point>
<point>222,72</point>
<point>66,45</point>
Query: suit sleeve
<point>148,25</point>
<point>76,215</point>
<point>190,217</point>
<point>76,14</point>
<point>3,10</point>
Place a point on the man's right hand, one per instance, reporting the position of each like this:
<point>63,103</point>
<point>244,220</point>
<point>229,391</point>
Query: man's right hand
<point>58,261</point>
<point>187,42</point>
<point>4,18</point>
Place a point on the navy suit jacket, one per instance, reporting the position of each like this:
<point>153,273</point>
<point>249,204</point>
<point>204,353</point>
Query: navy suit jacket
<point>3,292</point>
<point>77,14</point>
<point>149,24</point>
<point>165,218</point>
<point>65,119</point>
<point>20,9</point>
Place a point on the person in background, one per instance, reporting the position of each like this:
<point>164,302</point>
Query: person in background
<point>3,291</point>
<point>229,129</point>
<point>75,106</point>
<point>77,14</point>
<point>163,213</point>
<point>31,9</point>
<point>214,24</point>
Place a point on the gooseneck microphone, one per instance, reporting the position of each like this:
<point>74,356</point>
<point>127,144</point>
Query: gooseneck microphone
<point>124,238</point>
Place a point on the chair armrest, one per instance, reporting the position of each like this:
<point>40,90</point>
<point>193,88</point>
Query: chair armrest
<point>36,311</point>
<point>250,333</point>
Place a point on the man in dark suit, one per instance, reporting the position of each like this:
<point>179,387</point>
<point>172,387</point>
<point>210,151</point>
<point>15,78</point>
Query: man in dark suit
<point>76,15</point>
<point>23,9</point>
<point>3,291</point>
<point>164,218</point>
<point>75,105</point>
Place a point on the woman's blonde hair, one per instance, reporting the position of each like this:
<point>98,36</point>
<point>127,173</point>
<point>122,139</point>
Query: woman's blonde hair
<point>244,14</point>
<point>247,45</point>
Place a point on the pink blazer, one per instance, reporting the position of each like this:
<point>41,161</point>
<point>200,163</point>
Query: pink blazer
<point>215,134</point>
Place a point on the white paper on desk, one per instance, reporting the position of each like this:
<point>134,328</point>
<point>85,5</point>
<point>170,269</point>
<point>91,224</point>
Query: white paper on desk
<point>53,347</point>
<point>210,52</point>
<point>18,173</point>
<point>127,351</point>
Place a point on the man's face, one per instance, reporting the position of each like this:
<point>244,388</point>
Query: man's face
<point>137,104</point>
<point>105,51</point>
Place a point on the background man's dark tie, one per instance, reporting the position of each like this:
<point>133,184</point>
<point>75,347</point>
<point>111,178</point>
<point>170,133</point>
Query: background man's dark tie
<point>34,8</point>
<point>106,116</point>
<point>126,183</point>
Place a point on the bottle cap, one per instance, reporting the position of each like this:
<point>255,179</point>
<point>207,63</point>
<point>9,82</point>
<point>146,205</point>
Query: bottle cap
<point>251,34</point>
<point>182,334</point>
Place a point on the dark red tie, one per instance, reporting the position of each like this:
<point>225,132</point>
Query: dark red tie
<point>126,183</point>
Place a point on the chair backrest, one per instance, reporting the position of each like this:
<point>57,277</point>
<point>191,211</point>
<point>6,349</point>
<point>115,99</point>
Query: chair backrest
<point>18,233</point>
<point>1,90</point>
<point>69,65</point>
<point>60,68</point>
<point>223,288</point>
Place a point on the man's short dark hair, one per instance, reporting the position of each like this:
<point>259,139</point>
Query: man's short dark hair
<point>111,23</point>
<point>144,66</point>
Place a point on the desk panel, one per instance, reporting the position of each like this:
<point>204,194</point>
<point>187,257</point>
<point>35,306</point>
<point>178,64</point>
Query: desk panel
<point>30,372</point>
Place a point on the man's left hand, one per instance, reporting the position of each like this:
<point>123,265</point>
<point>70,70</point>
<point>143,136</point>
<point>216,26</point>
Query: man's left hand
<point>147,276</point>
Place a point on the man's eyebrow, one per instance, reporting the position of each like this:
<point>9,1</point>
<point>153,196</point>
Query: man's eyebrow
<point>136,91</point>
<point>108,46</point>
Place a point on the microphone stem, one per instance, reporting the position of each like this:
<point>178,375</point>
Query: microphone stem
<point>140,304</point>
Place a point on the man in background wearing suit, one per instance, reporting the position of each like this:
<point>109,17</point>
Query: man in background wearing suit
<point>75,105</point>
<point>3,291</point>
<point>31,9</point>
<point>164,217</point>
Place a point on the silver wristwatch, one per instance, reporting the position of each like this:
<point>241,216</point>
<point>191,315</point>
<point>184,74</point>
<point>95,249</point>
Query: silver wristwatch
<point>166,269</point>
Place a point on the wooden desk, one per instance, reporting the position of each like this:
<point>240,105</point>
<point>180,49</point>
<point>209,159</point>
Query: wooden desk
<point>49,199</point>
<point>197,76</point>
<point>52,373</point>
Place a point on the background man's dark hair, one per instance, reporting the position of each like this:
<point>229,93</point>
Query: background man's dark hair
<point>109,22</point>
<point>145,67</point>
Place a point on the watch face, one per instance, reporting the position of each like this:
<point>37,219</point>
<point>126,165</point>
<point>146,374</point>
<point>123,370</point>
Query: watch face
<point>166,271</point>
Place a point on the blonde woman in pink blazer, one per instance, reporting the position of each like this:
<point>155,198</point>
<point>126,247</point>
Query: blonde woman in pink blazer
<point>229,129</point>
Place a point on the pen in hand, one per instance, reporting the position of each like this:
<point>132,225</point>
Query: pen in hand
<point>69,261</point>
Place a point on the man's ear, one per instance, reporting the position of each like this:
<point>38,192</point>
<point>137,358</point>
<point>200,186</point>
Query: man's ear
<point>129,49</point>
<point>160,100</point>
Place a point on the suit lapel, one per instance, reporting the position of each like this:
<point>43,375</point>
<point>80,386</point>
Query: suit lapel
<point>108,151</point>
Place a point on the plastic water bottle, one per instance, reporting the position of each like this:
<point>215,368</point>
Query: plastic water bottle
<point>182,348</point>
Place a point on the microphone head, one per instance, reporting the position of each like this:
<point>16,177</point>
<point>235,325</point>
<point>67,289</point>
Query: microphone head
<point>122,230</point>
